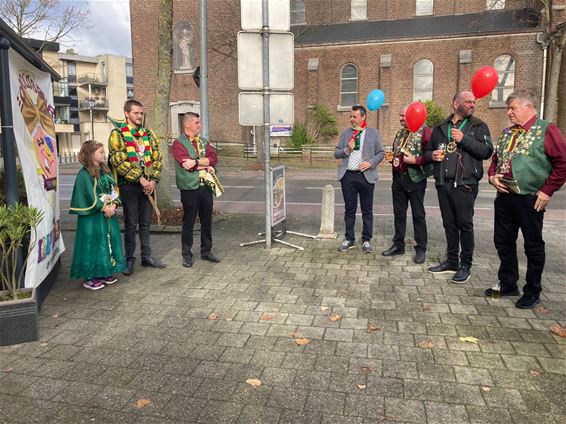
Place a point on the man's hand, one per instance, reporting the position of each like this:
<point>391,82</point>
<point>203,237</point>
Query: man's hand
<point>144,182</point>
<point>210,169</point>
<point>456,134</point>
<point>188,164</point>
<point>364,165</point>
<point>542,202</point>
<point>150,188</point>
<point>109,210</point>
<point>350,146</point>
<point>438,155</point>
<point>499,186</point>
<point>410,159</point>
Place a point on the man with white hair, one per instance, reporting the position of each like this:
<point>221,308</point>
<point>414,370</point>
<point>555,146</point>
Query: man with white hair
<point>527,168</point>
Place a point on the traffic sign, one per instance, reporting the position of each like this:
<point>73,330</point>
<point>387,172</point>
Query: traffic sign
<point>252,15</point>
<point>281,110</point>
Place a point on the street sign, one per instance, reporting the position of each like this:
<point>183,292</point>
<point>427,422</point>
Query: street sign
<point>281,61</point>
<point>252,15</point>
<point>280,108</point>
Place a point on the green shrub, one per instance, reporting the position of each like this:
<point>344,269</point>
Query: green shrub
<point>299,136</point>
<point>319,127</point>
<point>435,114</point>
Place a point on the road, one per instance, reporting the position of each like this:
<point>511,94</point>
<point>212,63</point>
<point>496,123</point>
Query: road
<point>244,193</point>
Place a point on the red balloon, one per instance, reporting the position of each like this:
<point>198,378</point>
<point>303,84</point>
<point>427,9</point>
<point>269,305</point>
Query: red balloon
<point>484,81</point>
<point>415,116</point>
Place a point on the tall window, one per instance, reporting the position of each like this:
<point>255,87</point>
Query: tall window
<point>129,73</point>
<point>495,4</point>
<point>297,12</point>
<point>72,71</point>
<point>505,65</point>
<point>424,7</point>
<point>349,85</point>
<point>422,80</point>
<point>359,10</point>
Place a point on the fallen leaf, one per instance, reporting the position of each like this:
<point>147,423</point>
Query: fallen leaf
<point>142,403</point>
<point>213,317</point>
<point>324,308</point>
<point>335,318</point>
<point>228,319</point>
<point>486,389</point>
<point>7,370</point>
<point>418,299</point>
<point>253,382</point>
<point>43,344</point>
<point>367,369</point>
<point>558,330</point>
<point>534,373</point>
<point>266,317</point>
<point>541,310</point>
<point>426,309</point>
<point>55,316</point>
<point>468,339</point>
<point>275,310</point>
<point>361,386</point>
<point>425,344</point>
<point>373,329</point>
<point>302,342</point>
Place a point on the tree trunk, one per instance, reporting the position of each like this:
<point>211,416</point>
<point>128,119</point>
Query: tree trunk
<point>561,121</point>
<point>556,50</point>
<point>162,96</point>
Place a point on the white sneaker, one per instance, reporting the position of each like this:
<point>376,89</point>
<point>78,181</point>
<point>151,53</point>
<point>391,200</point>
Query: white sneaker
<point>367,247</point>
<point>346,245</point>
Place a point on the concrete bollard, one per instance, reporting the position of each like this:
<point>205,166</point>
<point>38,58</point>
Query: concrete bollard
<point>327,214</point>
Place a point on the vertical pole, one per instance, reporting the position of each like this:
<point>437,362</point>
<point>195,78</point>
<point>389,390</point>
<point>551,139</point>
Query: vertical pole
<point>266,121</point>
<point>203,69</point>
<point>8,137</point>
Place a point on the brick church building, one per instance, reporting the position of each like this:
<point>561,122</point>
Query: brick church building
<point>410,49</point>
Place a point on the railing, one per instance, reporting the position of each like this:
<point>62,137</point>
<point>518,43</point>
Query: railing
<point>67,157</point>
<point>306,152</point>
<point>98,104</point>
<point>92,78</point>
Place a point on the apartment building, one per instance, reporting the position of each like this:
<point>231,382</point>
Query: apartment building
<point>90,89</point>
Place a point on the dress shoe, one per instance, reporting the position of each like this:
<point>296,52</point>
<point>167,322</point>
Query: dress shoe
<point>443,267</point>
<point>210,258</point>
<point>129,268</point>
<point>527,301</point>
<point>462,275</point>
<point>503,292</point>
<point>153,263</point>
<point>187,262</point>
<point>393,251</point>
<point>419,257</point>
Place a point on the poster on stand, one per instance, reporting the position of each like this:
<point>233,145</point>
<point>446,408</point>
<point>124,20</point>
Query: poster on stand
<point>278,203</point>
<point>33,113</point>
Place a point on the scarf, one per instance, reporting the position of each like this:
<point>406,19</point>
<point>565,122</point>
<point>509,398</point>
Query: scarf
<point>132,145</point>
<point>358,135</point>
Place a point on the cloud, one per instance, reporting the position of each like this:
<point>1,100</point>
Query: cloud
<point>109,29</point>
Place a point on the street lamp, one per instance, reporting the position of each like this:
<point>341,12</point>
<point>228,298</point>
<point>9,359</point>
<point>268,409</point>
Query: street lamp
<point>90,102</point>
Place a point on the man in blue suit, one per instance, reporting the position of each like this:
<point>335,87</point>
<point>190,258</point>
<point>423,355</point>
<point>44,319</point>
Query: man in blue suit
<point>361,151</point>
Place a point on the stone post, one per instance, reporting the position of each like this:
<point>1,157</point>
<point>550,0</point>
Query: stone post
<point>327,214</point>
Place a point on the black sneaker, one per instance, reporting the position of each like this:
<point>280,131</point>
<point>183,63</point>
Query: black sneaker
<point>462,275</point>
<point>503,292</point>
<point>527,301</point>
<point>443,267</point>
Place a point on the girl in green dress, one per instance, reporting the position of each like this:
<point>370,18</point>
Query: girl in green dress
<point>98,242</point>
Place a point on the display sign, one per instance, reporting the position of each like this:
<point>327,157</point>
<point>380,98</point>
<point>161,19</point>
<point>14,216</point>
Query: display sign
<point>278,203</point>
<point>34,128</point>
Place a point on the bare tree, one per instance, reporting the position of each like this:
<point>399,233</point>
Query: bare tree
<point>162,95</point>
<point>45,19</point>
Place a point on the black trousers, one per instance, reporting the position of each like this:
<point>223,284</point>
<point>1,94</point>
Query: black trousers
<point>405,191</point>
<point>196,201</point>
<point>514,212</point>
<point>457,210</point>
<point>137,212</point>
<point>354,184</point>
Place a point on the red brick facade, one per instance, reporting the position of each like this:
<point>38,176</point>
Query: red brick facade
<point>323,86</point>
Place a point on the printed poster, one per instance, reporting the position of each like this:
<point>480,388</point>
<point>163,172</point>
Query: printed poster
<point>34,128</point>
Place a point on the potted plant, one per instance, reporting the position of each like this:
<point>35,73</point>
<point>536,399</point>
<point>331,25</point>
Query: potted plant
<point>18,306</point>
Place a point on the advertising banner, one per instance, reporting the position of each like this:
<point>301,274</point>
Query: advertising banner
<point>34,128</point>
<point>278,204</point>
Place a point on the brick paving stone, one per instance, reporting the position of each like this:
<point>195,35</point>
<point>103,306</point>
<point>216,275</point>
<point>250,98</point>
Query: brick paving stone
<point>412,411</point>
<point>443,413</point>
<point>328,402</point>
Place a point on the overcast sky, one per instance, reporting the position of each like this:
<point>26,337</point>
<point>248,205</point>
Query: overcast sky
<point>109,31</point>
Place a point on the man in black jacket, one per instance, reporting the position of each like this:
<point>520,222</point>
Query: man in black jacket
<point>458,147</point>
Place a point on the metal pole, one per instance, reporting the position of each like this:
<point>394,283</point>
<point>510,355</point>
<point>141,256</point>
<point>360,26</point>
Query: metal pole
<point>91,123</point>
<point>8,137</point>
<point>203,69</point>
<point>266,121</point>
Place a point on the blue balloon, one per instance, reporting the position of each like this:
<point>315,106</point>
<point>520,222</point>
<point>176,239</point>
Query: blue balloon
<point>375,99</point>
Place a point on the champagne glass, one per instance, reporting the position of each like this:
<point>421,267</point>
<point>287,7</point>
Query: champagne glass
<point>388,153</point>
<point>495,292</point>
<point>442,148</point>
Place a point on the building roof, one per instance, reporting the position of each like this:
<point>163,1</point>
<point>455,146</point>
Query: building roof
<point>420,27</point>
<point>21,47</point>
<point>41,44</point>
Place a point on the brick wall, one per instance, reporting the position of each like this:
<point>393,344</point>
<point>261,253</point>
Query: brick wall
<point>323,86</point>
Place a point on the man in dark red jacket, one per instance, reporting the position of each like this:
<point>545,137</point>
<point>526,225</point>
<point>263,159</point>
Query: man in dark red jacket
<point>527,168</point>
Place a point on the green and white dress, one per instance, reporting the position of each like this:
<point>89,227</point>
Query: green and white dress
<point>98,242</point>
